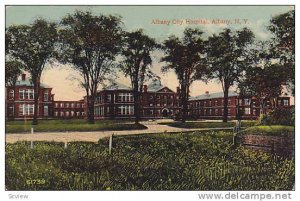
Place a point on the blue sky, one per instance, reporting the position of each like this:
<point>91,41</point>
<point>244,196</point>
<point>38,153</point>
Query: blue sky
<point>135,17</point>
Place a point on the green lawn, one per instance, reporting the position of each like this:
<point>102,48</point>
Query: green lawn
<point>270,130</point>
<point>70,125</point>
<point>194,161</point>
<point>207,124</point>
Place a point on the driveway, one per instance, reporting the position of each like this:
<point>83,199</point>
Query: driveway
<point>94,136</point>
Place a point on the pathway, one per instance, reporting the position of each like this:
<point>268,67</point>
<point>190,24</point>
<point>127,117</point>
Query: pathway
<point>95,136</point>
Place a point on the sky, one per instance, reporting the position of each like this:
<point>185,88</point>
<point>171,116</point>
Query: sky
<point>172,21</point>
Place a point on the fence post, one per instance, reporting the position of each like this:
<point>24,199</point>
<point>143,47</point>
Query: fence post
<point>66,145</point>
<point>110,143</point>
<point>32,130</point>
<point>31,145</point>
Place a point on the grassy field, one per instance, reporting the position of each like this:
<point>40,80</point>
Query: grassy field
<point>207,124</point>
<point>70,125</point>
<point>194,161</point>
<point>270,130</point>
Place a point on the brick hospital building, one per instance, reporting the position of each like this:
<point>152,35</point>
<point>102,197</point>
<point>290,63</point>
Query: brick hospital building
<point>116,101</point>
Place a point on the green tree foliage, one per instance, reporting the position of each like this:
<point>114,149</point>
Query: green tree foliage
<point>136,63</point>
<point>283,28</point>
<point>13,70</point>
<point>184,57</point>
<point>263,78</point>
<point>32,45</point>
<point>90,43</point>
<point>226,58</point>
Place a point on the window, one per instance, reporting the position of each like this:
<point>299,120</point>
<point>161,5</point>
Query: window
<point>11,94</point>
<point>125,97</point>
<point>151,104</point>
<point>216,102</point>
<point>46,111</point>
<point>210,111</point>
<point>247,111</point>
<point>108,98</point>
<point>126,109</point>
<point>67,113</point>
<point>72,105</point>
<point>78,105</point>
<point>82,105</point>
<point>247,101</point>
<point>285,102</point>
<point>72,113</point>
<point>229,102</point>
<point>151,112</point>
<point>30,94</point>
<point>22,94</point>
<point>82,113</point>
<point>209,103</point>
<point>254,112</point>
<point>67,105</point>
<point>26,109</point>
<point>46,96</point>
<point>11,110</point>
<point>56,114</point>
<point>240,101</point>
<point>56,104</point>
<point>61,105</point>
<point>62,114</point>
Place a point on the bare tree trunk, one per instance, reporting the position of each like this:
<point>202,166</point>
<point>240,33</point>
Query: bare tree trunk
<point>183,103</point>
<point>91,103</point>
<point>225,115</point>
<point>136,97</point>
<point>36,87</point>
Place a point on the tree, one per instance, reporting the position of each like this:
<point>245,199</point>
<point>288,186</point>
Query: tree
<point>283,28</point>
<point>90,43</point>
<point>12,72</point>
<point>32,45</point>
<point>263,79</point>
<point>184,57</point>
<point>226,58</point>
<point>136,63</point>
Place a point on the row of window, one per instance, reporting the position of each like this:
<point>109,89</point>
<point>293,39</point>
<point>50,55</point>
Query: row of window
<point>27,110</point>
<point>68,114</point>
<point>247,102</point>
<point>26,94</point>
<point>67,105</point>
<point>247,111</point>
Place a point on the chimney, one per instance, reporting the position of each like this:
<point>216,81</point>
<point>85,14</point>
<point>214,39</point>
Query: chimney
<point>178,90</point>
<point>23,77</point>
<point>207,93</point>
<point>145,88</point>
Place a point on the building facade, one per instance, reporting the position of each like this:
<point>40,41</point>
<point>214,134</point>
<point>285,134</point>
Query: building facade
<point>19,103</point>
<point>117,101</point>
<point>210,106</point>
<point>20,100</point>
<point>69,109</point>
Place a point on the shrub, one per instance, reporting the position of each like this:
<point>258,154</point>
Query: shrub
<point>277,130</point>
<point>279,116</point>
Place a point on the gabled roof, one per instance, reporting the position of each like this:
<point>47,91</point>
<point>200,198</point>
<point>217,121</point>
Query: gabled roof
<point>213,95</point>
<point>117,85</point>
<point>28,83</point>
<point>155,86</point>
<point>165,89</point>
